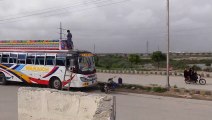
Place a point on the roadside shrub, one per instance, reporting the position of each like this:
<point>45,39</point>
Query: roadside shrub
<point>208,64</point>
<point>178,64</point>
<point>148,89</point>
<point>208,69</point>
<point>159,89</point>
<point>196,67</point>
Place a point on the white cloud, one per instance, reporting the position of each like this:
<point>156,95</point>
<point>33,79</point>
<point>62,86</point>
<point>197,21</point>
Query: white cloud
<point>123,27</point>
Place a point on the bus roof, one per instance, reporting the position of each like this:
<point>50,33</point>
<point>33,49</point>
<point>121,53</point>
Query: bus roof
<point>46,46</point>
<point>46,51</point>
<point>29,45</point>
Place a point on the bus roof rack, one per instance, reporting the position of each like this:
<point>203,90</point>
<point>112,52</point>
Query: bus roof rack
<point>33,46</point>
<point>47,46</point>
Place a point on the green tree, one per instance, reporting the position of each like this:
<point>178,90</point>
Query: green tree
<point>96,59</point>
<point>133,58</point>
<point>208,64</point>
<point>158,57</point>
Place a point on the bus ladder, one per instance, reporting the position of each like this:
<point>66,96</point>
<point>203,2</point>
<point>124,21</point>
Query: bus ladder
<point>69,83</point>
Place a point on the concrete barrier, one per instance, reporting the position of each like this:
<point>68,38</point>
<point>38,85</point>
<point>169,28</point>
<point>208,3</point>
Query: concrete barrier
<point>48,104</point>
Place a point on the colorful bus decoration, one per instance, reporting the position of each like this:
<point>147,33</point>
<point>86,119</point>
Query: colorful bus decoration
<point>11,45</point>
<point>53,67</point>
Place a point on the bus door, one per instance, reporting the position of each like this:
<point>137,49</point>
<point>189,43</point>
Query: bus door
<point>71,68</point>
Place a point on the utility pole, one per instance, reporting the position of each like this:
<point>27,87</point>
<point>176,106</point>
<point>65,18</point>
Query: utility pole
<point>147,47</point>
<point>168,38</point>
<point>61,31</point>
<point>158,48</point>
<point>94,48</point>
<point>61,36</point>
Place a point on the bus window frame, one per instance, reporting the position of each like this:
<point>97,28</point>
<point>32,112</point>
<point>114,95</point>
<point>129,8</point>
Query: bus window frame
<point>13,58</point>
<point>40,55</point>
<point>73,64</point>
<point>54,60</point>
<point>22,59</point>
<point>64,56</point>
<point>85,72</point>
<point>0,57</point>
<point>7,57</point>
<point>31,55</point>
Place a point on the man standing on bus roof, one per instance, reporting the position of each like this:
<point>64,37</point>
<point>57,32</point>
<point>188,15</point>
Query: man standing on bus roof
<point>69,40</point>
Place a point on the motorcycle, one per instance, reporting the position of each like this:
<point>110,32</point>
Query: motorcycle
<point>199,80</point>
<point>109,86</point>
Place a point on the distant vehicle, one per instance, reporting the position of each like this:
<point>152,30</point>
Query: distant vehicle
<point>199,80</point>
<point>43,62</point>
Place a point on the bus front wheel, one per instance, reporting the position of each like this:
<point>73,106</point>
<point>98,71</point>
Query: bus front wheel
<point>56,84</point>
<point>3,80</point>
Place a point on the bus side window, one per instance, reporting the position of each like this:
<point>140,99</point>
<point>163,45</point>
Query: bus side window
<point>50,60</point>
<point>13,58</point>
<point>0,58</point>
<point>30,60</point>
<point>21,58</point>
<point>67,62</point>
<point>5,58</point>
<point>73,62</point>
<point>39,60</point>
<point>80,60</point>
<point>60,61</point>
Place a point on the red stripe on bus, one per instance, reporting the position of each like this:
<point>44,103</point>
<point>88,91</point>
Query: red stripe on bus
<point>51,72</point>
<point>67,81</point>
<point>38,81</point>
<point>5,72</point>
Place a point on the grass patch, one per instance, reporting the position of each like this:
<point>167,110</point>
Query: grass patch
<point>159,89</point>
<point>145,88</point>
<point>148,89</point>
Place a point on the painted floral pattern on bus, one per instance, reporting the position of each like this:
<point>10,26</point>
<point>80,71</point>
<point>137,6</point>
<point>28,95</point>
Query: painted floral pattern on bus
<point>30,44</point>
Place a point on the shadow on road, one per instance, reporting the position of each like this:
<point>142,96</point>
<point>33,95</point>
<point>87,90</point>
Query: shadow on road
<point>21,84</point>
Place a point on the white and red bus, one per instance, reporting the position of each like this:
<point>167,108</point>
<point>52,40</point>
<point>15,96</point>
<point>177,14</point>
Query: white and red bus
<point>43,62</point>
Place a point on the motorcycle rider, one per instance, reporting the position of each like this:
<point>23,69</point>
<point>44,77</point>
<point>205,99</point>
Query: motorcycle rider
<point>186,74</point>
<point>112,84</point>
<point>193,75</point>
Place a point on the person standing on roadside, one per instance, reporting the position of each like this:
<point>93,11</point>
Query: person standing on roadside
<point>69,40</point>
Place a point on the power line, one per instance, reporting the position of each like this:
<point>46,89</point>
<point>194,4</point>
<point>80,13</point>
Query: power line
<point>51,10</point>
<point>97,6</point>
<point>44,11</point>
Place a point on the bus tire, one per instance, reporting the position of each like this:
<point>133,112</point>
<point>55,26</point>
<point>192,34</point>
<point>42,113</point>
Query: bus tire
<point>55,83</point>
<point>3,80</point>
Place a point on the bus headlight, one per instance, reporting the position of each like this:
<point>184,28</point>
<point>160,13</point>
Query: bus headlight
<point>83,79</point>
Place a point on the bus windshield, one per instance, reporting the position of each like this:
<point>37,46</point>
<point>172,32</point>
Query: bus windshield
<point>86,63</point>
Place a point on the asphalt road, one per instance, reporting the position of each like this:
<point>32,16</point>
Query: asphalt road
<point>148,107</point>
<point>129,107</point>
<point>8,103</point>
<point>155,79</point>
